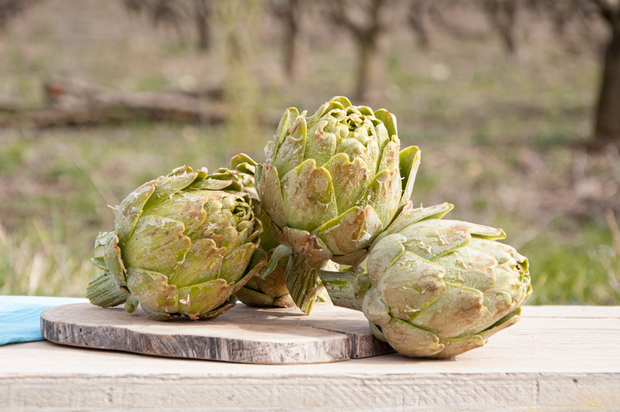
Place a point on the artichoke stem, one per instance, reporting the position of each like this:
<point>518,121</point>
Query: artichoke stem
<point>103,290</point>
<point>302,280</point>
<point>344,288</point>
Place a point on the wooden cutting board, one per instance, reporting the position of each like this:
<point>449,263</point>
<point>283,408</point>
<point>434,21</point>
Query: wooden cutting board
<point>243,334</point>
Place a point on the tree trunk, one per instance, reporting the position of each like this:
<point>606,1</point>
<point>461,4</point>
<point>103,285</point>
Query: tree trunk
<point>366,72</point>
<point>503,16</point>
<point>417,17</point>
<point>291,40</point>
<point>201,14</point>
<point>607,127</point>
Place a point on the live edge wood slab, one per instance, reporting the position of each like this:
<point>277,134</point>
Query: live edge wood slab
<point>557,358</point>
<point>242,334</point>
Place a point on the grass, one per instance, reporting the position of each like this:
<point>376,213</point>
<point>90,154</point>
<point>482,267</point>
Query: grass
<point>500,140</point>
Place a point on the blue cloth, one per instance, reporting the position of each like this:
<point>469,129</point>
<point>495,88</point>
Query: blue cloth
<point>20,316</point>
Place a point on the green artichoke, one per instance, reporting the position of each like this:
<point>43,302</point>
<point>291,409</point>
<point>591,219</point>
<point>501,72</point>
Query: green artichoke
<point>435,288</point>
<point>331,183</point>
<point>182,244</point>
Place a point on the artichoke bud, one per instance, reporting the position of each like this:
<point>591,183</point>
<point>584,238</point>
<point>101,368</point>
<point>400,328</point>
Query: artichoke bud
<point>334,181</point>
<point>182,244</point>
<point>438,288</point>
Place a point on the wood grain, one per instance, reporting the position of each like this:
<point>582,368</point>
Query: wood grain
<point>243,334</point>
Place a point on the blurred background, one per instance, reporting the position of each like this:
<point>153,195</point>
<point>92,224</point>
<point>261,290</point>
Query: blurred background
<point>514,103</point>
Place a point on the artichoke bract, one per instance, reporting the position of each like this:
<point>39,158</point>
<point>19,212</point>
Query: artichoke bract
<point>269,291</point>
<point>435,288</point>
<point>182,244</point>
<point>330,184</point>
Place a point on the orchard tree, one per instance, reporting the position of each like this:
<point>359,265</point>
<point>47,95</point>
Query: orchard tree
<point>607,123</point>
<point>502,16</point>
<point>177,13</point>
<point>291,14</point>
<point>363,19</point>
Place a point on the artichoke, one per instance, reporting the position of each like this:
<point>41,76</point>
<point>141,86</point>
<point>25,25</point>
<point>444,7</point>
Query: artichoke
<point>330,184</point>
<point>435,288</point>
<point>182,244</point>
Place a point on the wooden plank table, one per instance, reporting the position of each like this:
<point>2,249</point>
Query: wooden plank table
<point>558,358</point>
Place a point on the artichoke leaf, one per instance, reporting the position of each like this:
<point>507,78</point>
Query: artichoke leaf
<point>308,245</point>
<point>498,304</point>
<point>351,231</point>
<point>501,252</point>
<point>291,151</point>
<point>376,331</point>
<point>383,195</point>
<point>433,238</point>
<point>290,115</point>
<point>384,254</point>
<point>374,307</point>
<point>99,261</point>
<point>184,207</point>
<point>202,263</point>
<point>409,340</point>
<point>225,307</point>
<point>201,298</point>
<point>468,267</point>
<point>507,280</point>
<point>216,183</point>
<point>255,270</point>
<point>157,244</point>
<point>338,102</point>
<point>243,163</point>
<point>159,315</point>
<point>102,239</point>
<point>454,347</point>
<point>455,311</point>
<point>357,147</point>
<point>351,259</point>
<point>271,195</point>
<point>505,322</point>
<point>320,144</point>
<point>389,121</point>
<point>409,164</point>
<point>235,262</point>
<point>409,216</point>
<point>275,283</point>
<point>165,186</point>
<point>113,261</point>
<point>151,289</point>
<point>485,232</point>
<point>410,285</point>
<point>349,179</point>
<point>390,159</point>
<point>308,196</point>
<point>130,210</point>
<point>131,304</point>
<point>257,299</point>
<point>273,259</point>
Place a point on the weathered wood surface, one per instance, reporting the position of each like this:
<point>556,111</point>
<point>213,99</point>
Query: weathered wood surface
<point>243,334</point>
<point>563,358</point>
